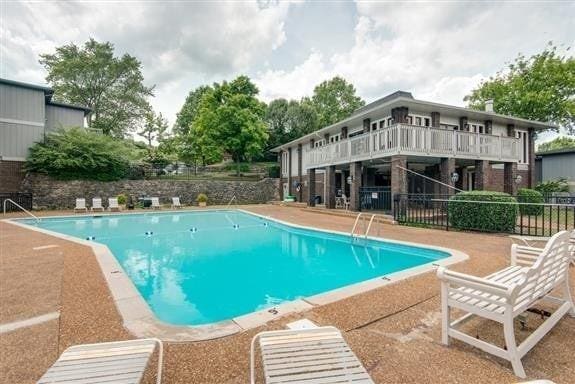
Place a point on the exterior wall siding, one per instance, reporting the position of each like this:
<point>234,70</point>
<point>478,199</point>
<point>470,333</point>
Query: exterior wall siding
<point>23,104</point>
<point>16,139</point>
<point>558,165</point>
<point>59,117</point>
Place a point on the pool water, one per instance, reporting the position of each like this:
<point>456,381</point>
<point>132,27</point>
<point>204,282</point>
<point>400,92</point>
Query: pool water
<point>197,268</point>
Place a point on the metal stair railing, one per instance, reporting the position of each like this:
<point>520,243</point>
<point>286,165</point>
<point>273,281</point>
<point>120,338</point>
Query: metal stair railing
<point>21,207</point>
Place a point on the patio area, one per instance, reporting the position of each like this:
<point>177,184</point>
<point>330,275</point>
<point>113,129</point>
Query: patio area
<point>394,330</point>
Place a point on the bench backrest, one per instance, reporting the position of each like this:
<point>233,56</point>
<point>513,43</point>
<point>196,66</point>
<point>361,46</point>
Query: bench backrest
<point>96,202</point>
<point>81,203</point>
<point>549,270</point>
<point>113,202</point>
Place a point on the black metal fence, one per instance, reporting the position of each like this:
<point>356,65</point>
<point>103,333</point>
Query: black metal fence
<point>375,198</point>
<point>528,219</point>
<point>22,199</point>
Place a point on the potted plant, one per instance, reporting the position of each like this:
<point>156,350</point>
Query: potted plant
<point>122,199</point>
<point>202,200</point>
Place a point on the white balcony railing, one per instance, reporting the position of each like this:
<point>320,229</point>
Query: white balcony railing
<point>415,140</point>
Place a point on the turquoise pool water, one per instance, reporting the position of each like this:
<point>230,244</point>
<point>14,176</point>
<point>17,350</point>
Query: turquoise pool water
<point>196,268</point>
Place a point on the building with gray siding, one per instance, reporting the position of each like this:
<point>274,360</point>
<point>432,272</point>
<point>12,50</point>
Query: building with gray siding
<point>553,165</point>
<point>27,114</point>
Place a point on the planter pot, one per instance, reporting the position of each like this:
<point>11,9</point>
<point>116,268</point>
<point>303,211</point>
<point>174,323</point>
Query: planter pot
<point>202,204</point>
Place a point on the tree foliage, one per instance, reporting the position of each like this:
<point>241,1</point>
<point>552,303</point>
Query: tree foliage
<point>334,100</point>
<point>79,154</point>
<point>155,128</point>
<point>189,110</point>
<point>541,87</point>
<point>560,142</point>
<point>288,120</point>
<point>112,87</point>
<point>230,120</point>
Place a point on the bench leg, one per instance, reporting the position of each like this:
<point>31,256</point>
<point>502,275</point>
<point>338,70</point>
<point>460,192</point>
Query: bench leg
<point>569,297</point>
<point>512,347</point>
<point>445,315</point>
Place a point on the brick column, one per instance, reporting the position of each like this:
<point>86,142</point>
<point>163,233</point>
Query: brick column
<point>398,178</point>
<point>311,143</point>
<point>446,168</point>
<point>463,123</point>
<point>532,177</point>
<point>281,187</point>
<point>343,132</point>
<point>399,114</point>
<point>511,130</point>
<point>330,186</point>
<point>509,174</point>
<point>366,125</point>
<point>435,119</point>
<point>326,137</point>
<point>355,173</point>
<point>299,171</point>
<point>482,168</point>
<point>311,187</point>
<point>289,178</point>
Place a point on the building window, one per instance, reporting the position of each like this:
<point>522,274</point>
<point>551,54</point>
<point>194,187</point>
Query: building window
<point>319,143</point>
<point>284,164</point>
<point>334,138</point>
<point>426,122</point>
<point>418,121</point>
<point>409,120</point>
<point>523,137</point>
<point>389,121</point>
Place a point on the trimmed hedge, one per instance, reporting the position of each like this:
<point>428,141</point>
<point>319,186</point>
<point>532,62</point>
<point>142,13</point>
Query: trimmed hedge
<point>526,195</point>
<point>485,217</point>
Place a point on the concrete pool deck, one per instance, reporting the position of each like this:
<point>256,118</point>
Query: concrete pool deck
<point>394,329</point>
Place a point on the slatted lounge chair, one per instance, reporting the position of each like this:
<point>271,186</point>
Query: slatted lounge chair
<point>156,203</point>
<point>97,204</point>
<point>176,202</point>
<point>113,204</point>
<point>504,295</point>
<point>80,205</point>
<point>116,362</point>
<point>316,355</point>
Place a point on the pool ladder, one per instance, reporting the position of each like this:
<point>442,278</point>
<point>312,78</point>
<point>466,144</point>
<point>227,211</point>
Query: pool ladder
<point>366,227</point>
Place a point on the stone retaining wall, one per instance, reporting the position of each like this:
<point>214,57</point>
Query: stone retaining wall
<point>49,193</point>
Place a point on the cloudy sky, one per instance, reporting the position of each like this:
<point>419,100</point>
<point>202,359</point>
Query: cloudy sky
<point>438,50</point>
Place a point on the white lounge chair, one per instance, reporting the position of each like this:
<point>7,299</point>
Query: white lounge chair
<point>345,202</point>
<point>113,204</point>
<point>316,355</point>
<point>156,203</point>
<point>80,205</point>
<point>97,204</point>
<point>176,202</point>
<point>115,362</point>
<point>506,294</point>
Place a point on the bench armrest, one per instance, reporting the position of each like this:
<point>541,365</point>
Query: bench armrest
<point>523,255</point>
<point>478,283</point>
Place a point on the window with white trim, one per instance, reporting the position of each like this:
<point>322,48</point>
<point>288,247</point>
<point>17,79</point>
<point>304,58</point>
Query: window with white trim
<point>284,163</point>
<point>334,138</point>
<point>523,137</point>
<point>319,143</point>
<point>476,128</point>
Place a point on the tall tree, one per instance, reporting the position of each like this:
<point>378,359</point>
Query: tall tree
<point>231,116</point>
<point>335,100</point>
<point>189,110</point>
<point>302,119</point>
<point>154,129</point>
<point>112,87</point>
<point>276,117</point>
<point>560,142</point>
<point>541,87</point>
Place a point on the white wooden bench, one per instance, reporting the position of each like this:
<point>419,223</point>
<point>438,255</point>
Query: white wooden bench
<point>506,294</point>
<point>119,362</point>
<point>316,355</point>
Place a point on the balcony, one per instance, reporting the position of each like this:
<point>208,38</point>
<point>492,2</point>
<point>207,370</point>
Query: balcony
<point>415,141</point>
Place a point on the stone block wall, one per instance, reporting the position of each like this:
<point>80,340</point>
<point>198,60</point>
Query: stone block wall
<point>11,175</point>
<point>49,193</point>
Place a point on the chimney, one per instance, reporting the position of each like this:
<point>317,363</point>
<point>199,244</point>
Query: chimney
<point>489,105</point>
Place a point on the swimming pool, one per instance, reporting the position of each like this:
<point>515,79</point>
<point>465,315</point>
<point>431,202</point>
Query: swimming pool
<point>195,268</point>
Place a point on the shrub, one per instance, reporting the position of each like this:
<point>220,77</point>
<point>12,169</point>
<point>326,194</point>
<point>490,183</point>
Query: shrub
<point>274,171</point>
<point>202,198</point>
<point>482,216</point>
<point>550,186</point>
<point>122,199</point>
<point>526,195</point>
<point>238,167</point>
<point>79,154</point>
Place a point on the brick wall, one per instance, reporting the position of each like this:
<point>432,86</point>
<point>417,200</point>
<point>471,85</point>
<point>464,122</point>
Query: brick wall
<point>11,175</point>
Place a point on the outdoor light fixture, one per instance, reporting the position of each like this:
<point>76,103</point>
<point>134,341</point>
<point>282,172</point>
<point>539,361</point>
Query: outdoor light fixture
<point>518,179</point>
<point>454,177</point>
<point>349,179</point>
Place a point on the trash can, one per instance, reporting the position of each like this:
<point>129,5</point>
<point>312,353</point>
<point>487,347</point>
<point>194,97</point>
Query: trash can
<point>317,199</point>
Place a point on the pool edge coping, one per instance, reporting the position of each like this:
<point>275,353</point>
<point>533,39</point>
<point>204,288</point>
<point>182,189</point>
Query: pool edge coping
<point>139,319</point>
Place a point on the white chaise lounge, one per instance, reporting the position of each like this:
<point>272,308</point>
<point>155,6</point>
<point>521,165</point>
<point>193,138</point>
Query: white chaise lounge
<point>316,355</point>
<point>80,205</point>
<point>97,204</point>
<point>115,362</point>
<point>175,202</point>
<point>504,295</point>
<point>113,204</point>
<point>156,203</point>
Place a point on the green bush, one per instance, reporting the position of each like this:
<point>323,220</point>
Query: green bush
<point>202,198</point>
<point>526,195</point>
<point>550,186</point>
<point>482,216</point>
<point>238,167</point>
<point>79,154</point>
<point>122,199</point>
<point>274,171</point>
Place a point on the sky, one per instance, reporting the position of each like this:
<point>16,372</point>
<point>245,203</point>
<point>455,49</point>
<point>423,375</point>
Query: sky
<point>438,50</point>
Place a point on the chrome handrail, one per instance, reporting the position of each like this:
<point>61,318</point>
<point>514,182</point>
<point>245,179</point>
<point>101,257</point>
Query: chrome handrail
<point>21,207</point>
